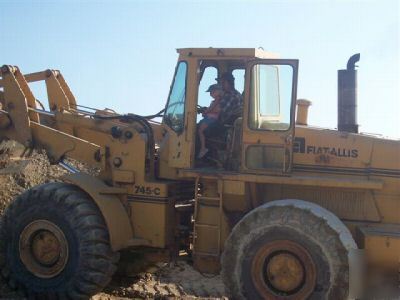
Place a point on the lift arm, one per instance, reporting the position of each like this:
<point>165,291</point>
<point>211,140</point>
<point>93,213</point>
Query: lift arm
<point>121,146</point>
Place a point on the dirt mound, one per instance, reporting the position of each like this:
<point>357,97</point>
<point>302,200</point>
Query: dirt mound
<point>166,281</point>
<point>20,170</point>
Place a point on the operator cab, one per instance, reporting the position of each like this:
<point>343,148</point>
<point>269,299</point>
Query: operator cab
<point>259,138</point>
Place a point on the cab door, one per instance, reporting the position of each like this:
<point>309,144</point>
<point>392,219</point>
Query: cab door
<point>180,114</point>
<point>269,116</point>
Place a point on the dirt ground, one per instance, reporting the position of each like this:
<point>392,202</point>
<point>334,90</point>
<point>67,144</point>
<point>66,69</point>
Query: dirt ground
<point>162,281</point>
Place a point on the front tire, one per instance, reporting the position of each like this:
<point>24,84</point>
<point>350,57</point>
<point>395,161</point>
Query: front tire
<point>290,249</point>
<point>54,244</point>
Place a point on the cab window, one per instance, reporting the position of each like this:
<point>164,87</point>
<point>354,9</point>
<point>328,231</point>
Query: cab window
<point>174,115</point>
<point>239,79</point>
<point>270,97</point>
<point>207,79</point>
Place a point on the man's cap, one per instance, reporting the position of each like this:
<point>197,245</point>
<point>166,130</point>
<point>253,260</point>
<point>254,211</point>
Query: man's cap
<point>214,87</point>
<point>226,76</point>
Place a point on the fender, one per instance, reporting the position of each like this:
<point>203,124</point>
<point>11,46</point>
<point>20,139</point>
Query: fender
<point>114,213</point>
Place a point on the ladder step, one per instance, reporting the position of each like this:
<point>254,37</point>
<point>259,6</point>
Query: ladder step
<point>208,198</point>
<point>206,225</point>
<point>215,254</point>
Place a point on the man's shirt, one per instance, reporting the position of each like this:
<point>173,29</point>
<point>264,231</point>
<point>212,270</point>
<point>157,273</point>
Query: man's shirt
<point>231,106</point>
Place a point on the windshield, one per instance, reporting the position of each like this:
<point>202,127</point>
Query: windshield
<point>174,115</point>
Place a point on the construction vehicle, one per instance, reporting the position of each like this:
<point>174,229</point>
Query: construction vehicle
<point>282,209</point>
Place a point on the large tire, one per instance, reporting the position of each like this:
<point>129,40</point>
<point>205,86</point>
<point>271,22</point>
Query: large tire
<point>288,249</point>
<point>54,244</point>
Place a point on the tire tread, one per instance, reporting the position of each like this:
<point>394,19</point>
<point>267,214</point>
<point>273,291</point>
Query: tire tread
<point>96,263</point>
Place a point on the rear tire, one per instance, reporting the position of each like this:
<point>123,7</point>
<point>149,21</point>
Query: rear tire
<point>287,251</point>
<point>54,243</point>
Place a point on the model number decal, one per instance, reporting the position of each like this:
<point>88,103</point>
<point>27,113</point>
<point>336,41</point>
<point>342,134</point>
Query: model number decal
<point>146,190</point>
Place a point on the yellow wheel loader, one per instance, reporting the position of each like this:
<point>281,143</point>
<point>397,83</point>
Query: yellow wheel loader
<point>282,209</point>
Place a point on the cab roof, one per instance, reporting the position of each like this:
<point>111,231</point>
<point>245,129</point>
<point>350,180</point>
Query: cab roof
<point>226,52</point>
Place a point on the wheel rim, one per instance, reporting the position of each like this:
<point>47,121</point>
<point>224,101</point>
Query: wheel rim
<point>283,268</point>
<point>43,248</point>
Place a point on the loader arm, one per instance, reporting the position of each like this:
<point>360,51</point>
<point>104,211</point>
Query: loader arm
<point>121,146</point>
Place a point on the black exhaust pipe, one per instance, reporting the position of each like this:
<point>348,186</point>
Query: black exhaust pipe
<point>347,96</point>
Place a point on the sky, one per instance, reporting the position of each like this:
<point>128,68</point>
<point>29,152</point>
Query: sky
<point>121,54</point>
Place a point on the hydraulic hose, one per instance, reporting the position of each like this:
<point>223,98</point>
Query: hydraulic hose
<point>131,118</point>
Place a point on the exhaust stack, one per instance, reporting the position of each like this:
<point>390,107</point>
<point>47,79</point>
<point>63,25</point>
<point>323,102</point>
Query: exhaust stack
<point>347,96</point>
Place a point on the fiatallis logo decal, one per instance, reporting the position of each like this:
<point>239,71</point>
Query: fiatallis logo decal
<point>301,147</point>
